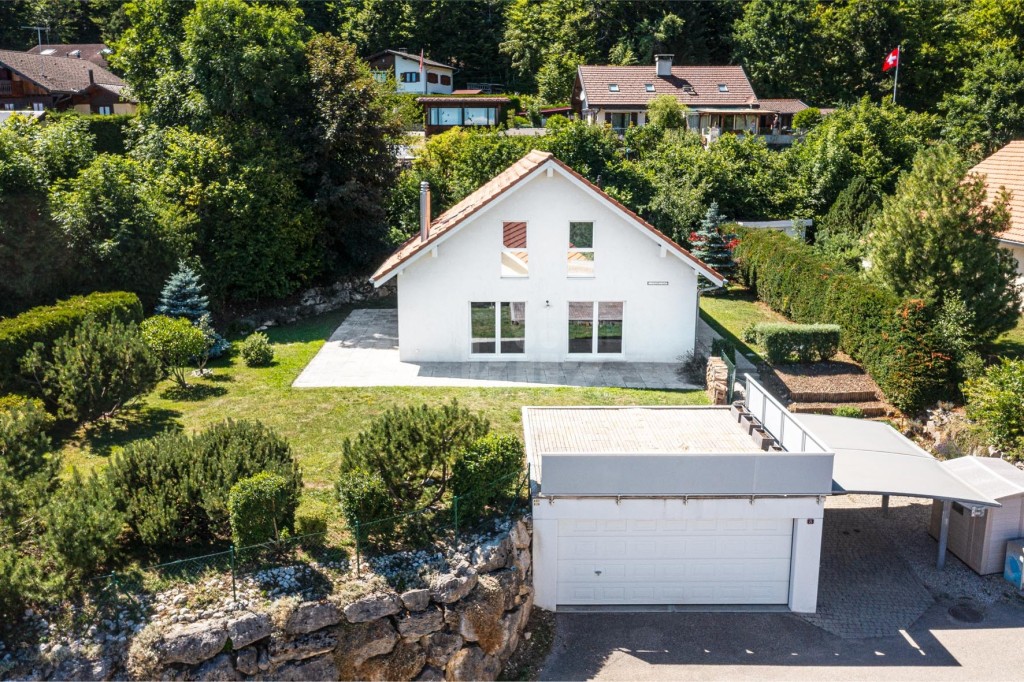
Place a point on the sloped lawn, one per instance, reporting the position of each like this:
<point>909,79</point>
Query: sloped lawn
<point>731,311</point>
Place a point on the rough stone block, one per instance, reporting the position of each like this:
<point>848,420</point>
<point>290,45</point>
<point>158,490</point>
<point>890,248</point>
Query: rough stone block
<point>311,616</point>
<point>372,607</point>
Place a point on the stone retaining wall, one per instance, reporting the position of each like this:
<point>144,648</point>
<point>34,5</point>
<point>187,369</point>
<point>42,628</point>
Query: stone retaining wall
<point>315,301</point>
<point>463,627</point>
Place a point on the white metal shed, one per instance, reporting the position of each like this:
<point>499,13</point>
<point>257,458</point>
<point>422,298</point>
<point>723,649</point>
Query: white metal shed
<point>979,539</point>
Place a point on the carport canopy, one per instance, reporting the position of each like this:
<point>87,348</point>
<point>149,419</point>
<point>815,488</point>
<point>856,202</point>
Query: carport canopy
<point>873,458</point>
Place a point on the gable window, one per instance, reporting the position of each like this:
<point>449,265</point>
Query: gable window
<point>410,77</point>
<point>595,327</point>
<point>515,259</point>
<point>431,77</point>
<point>613,87</point>
<point>722,87</point>
<point>649,87</point>
<point>446,80</point>
<point>498,328</point>
<point>580,258</point>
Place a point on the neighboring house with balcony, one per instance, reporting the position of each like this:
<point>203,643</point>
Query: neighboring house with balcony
<point>463,108</point>
<point>413,74</point>
<point>539,264</point>
<point>38,82</point>
<point>1004,170</point>
<point>95,53</point>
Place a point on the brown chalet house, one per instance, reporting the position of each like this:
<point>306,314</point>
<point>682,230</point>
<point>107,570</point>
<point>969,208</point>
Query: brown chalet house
<point>38,82</point>
<point>718,99</point>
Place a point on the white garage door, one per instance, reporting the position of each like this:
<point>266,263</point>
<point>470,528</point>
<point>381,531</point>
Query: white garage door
<point>706,561</point>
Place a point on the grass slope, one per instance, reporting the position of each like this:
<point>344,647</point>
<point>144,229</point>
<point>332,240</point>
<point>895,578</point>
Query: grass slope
<point>732,311</point>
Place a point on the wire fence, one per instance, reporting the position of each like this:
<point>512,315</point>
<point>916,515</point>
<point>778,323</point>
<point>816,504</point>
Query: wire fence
<point>336,552</point>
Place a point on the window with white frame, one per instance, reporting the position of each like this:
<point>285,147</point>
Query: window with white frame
<point>595,327</point>
<point>498,328</point>
<point>580,257</point>
<point>104,110</point>
<point>515,259</point>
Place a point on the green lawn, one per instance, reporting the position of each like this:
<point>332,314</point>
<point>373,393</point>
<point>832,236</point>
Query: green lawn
<point>732,311</point>
<point>1011,344</point>
<point>316,421</point>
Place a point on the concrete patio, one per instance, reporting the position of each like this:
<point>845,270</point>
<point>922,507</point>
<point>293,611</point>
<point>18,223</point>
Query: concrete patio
<point>363,351</point>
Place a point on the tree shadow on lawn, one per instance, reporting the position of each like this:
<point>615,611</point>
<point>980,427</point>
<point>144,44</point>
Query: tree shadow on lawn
<point>193,392</point>
<point>128,426</point>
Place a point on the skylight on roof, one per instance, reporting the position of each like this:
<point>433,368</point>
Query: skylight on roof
<point>48,51</point>
<point>649,87</point>
<point>722,87</point>
<point>613,87</point>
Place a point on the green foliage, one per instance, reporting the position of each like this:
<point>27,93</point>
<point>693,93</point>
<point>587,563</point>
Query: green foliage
<point>848,411</point>
<point>45,325</point>
<point>261,508</point>
<point>82,525</point>
<point>807,118</point>
<point>311,517</point>
<point>20,578</point>
<point>176,343</point>
<point>368,506</point>
<point>994,403</point>
<point>23,439</point>
<point>487,474</point>
<point>666,112</point>
<point>840,234</point>
<point>174,488</point>
<point>895,340</point>
<point>936,237</point>
<point>412,451</point>
<point>723,347</point>
<point>795,342</point>
<point>987,111</point>
<point>183,296</point>
<point>257,351</point>
<point>556,76</point>
<point>710,245</point>
<point>94,371</point>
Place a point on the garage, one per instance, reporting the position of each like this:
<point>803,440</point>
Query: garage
<point>639,507</point>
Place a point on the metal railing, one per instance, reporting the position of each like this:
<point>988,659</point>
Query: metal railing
<point>778,421</point>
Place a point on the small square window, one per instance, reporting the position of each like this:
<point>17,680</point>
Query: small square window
<point>613,87</point>
<point>649,87</point>
<point>722,87</point>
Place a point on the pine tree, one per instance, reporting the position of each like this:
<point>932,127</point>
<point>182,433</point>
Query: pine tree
<point>710,245</point>
<point>183,295</point>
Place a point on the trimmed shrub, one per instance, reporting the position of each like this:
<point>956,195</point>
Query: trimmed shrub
<point>261,508</point>
<point>368,506</point>
<point>94,371</point>
<point>174,488</point>
<point>46,324</point>
<point>800,342</point>
<point>487,474</point>
<point>894,339</point>
<point>177,343</point>
<point>23,439</point>
<point>82,526</point>
<point>994,402</point>
<point>257,351</point>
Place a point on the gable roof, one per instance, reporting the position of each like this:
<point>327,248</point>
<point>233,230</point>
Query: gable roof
<point>414,57</point>
<point>782,106</point>
<point>1005,168</point>
<point>691,85</point>
<point>521,170</point>
<point>57,74</point>
<point>91,52</point>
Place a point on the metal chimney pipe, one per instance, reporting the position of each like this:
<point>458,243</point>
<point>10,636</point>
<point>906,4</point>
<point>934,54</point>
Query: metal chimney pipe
<point>424,211</point>
<point>664,64</point>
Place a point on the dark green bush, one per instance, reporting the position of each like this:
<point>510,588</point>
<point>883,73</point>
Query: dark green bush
<point>895,340</point>
<point>720,347</point>
<point>93,371</point>
<point>46,324</point>
<point>261,508</point>
<point>20,578</point>
<point>174,488</point>
<point>23,439</point>
<point>369,508</point>
<point>82,526</point>
<point>994,402</point>
<point>802,342</point>
<point>487,474</point>
<point>257,351</point>
<point>110,132</point>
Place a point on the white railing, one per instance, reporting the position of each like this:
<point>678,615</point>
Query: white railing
<point>778,421</point>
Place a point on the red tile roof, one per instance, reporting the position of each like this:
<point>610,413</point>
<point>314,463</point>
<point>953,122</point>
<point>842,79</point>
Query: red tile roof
<point>92,52</point>
<point>498,185</point>
<point>782,106</point>
<point>691,85</point>
<point>1005,169</point>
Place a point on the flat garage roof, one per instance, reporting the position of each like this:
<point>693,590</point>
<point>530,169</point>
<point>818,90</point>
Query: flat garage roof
<point>873,458</point>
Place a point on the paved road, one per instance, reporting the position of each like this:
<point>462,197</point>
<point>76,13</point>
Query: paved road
<point>777,646</point>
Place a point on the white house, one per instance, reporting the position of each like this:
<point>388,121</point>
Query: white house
<point>539,264</point>
<point>1003,172</point>
<point>414,73</point>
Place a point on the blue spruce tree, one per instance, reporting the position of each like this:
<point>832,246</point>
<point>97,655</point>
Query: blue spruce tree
<point>183,296</point>
<point>710,245</point>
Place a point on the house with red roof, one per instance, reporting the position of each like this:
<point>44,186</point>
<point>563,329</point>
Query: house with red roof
<point>37,82</point>
<point>540,264</point>
<point>1004,171</point>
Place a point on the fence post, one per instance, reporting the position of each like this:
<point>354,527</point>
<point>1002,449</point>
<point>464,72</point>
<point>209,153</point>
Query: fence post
<point>455,510</point>
<point>357,548</point>
<point>234,589</point>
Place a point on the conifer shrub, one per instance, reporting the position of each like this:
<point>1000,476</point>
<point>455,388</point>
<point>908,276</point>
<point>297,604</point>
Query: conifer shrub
<point>183,296</point>
<point>174,488</point>
<point>23,439</point>
<point>261,508</point>
<point>257,351</point>
<point>94,371</point>
<point>46,324</point>
<point>710,245</point>
<point>82,526</point>
<point>487,474</point>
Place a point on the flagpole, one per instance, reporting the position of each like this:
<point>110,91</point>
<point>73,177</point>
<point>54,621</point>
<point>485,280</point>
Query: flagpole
<point>896,80</point>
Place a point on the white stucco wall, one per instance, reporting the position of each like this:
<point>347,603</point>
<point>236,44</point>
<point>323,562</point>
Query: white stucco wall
<point>1018,252</point>
<point>422,87</point>
<point>806,513</point>
<point>434,292</point>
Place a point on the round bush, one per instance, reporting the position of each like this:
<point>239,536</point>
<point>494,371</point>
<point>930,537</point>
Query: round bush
<point>261,508</point>
<point>367,506</point>
<point>257,351</point>
<point>486,474</point>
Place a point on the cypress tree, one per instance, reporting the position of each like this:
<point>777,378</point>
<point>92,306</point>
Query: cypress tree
<point>710,245</point>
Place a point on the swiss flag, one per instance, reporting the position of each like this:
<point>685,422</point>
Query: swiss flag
<point>892,61</point>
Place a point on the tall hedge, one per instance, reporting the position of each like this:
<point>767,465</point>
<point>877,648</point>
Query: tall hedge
<point>894,339</point>
<point>46,324</point>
